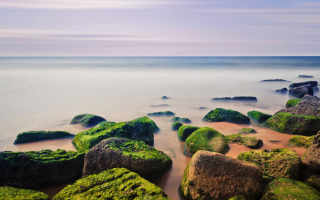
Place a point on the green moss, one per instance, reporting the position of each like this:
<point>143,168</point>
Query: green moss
<point>293,124</point>
<point>292,102</point>
<point>185,184</point>
<point>158,114</point>
<point>106,123</point>
<point>34,136</point>
<point>250,142</point>
<point>240,197</point>
<point>140,129</point>
<point>300,141</point>
<point>286,189</point>
<point>182,120</point>
<point>7,193</point>
<point>223,115</point>
<point>87,120</point>
<point>206,139</point>
<point>185,131</point>
<point>314,181</point>
<point>278,163</point>
<point>245,131</point>
<point>176,125</point>
<point>258,117</point>
<point>116,183</point>
<point>34,168</point>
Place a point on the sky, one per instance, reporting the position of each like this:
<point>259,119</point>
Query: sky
<point>159,28</point>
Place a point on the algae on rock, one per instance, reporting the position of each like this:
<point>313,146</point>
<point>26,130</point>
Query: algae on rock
<point>176,125</point>
<point>250,142</point>
<point>34,136</point>
<point>87,120</point>
<point>292,102</point>
<point>245,131</point>
<point>9,193</point>
<point>258,117</point>
<point>185,131</point>
<point>223,115</point>
<point>159,114</point>
<point>182,120</point>
<point>300,141</point>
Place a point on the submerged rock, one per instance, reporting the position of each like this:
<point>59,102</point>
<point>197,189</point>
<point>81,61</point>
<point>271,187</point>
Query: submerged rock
<point>258,117</point>
<point>116,183</point>
<point>301,91</point>
<point>221,99</point>
<point>315,89</point>
<point>314,181</point>
<point>9,193</point>
<point>136,156</point>
<point>159,114</point>
<point>237,98</point>
<point>87,120</point>
<point>223,115</point>
<point>165,97</point>
<point>309,105</point>
<point>300,141</point>
<point>206,139</point>
<point>140,129</point>
<point>176,125</point>
<point>292,102</point>
<point>39,168</point>
<point>202,108</point>
<point>161,105</point>
<point>277,163</point>
<point>282,91</point>
<point>250,142</point>
<point>312,83</point>
<point>245,131</point>
<point>214,176</point>
<point>305,76</point>
<point>274,80</point>
<point>185,131</point>
<point>287,189</point>
<point>182,120</point>
<point>311,157</point>
<point>34,136</point>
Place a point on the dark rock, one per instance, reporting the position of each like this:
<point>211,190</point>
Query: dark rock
<point>34,136</point>
<point>202,108</point>
<point>214,176</point>
<point>282,91</point>
<point>305,76</point>
<point>274,80</point>
<point>301,91</point>
<point>240,197</point>
<point>308,105</point>
<point>87,120</point>
<point>165,97</point>
<point>245,131</point>
<point>315,89</point>
<point>311,157</point>
<point>223,115</point>
<point>245,98</point>
<point>185,131</point>
<point>258,117</point>
<point>250,142</point>
<point>182,120</point>
<point>159,114</point>
<point>312,83</point>
<point>314,181</point>
<point>275,141</point>
<point>7,193</point>
<point>221,99</point>
<point>176,125</point>
<point>161,105</point>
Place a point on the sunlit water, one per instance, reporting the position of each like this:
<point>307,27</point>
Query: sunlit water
<point>46,93</point>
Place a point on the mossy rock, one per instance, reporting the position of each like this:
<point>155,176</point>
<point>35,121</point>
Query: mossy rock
<point>223,115</point>
<point>176,125</point>
<point>258,117</point>
<point>34,136</point>
<point>245,131</point>
<point>185,131</point>
<point>314,181</point>
<point>116,183</point>
<point>87,120</point>
<point>250,142</point>
<point>240,197</point>
<point>136,156</point>
<point>38,168</point>
<point>140,129</point>
<point>300,141</point>
<point>292,102</point>
<point>293,124</point>
<point>8,193</point>
<point>182,120</point>
<point>277,163</point>
<point>160,114</point>
<point>287,189</point>
<point>106,123</point>
<point>206,139</point>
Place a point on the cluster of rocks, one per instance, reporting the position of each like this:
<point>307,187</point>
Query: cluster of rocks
<point>300,89</point>
<point>237,98</point>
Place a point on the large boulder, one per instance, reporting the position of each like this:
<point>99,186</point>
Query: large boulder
<point>301,91</point>
<point>34,136</point>
<point>292,102</point>
<point>136,156</point>
<point>87,120</point>
<point>140,129</point>
<point>223,115</point>
<point>300,141</point>
<point>312,83</point>
<point>287,189</point>
<point>206,139</point>
<point>293,124</point>
<point>9,193</point>
<point>250,142</point>
<point>278,163</point>
<point>258,117</point>
<point>185,131</point>
<point>311,157</point>
<point>309,105</point>
<point>214,176</point>
<point>38,168</point>
<point>116,183</point>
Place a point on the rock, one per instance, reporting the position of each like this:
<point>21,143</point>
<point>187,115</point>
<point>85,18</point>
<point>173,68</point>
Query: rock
<point>8,193</point>
<point>116,183</point>
<point>161,105</point>
<point>221,99</point>
<point>176,125</point>
<point>165,97</point>
<point>292,102</point>
<point>300,141</point>
<point>312,83</point>
<point>185,131</point>
<point>135,156</point>
<point>245,131</point>
<point>286,189</point>
<point>293,124</point>
<point>223,115</point>
<point>314,181</point>
<point>275,141</point>
<point>301,91</point>
<point>311,157</point>
<point>34,136</point>
<point>277,163</point>
<point>305,76</point>
<point>87,120</point>
<point>214,176</point>
<point>315,89</point>
<point>282,91</point>
<point>105,123</point>
<point>202,108</point>
<point>258,117</point>
<point>238,98</point>
<point>309,105</point>
<point>158,114</point>
<point>274,80</point>
<point>182,120</point>
<point>250,142</point>
<point>240,197</point>
<point>38,168</point>
<point>140,129</point>
<point>206,139</point>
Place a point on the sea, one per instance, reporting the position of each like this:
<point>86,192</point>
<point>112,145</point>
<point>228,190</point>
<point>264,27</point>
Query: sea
<point>45,93</point>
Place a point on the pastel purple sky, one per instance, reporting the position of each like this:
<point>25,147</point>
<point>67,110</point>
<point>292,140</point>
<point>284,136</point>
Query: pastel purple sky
<point>159,28</point>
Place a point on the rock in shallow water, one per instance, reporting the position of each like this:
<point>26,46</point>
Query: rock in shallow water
<point>223,115</point>
<point>185,131</point>
<point>282,91</point>
<point>87,120</point>
<point>308,105</point>
<point>258,117</point>
<point>312,83</point>
<point>292,102</point>
<point>176,125</point>
<point>159,114</point>
<point>301,91</point>
<point>250,142</point>
<point>9,193</point>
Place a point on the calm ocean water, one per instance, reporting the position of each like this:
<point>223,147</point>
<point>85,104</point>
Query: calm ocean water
<point>46,93</point>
